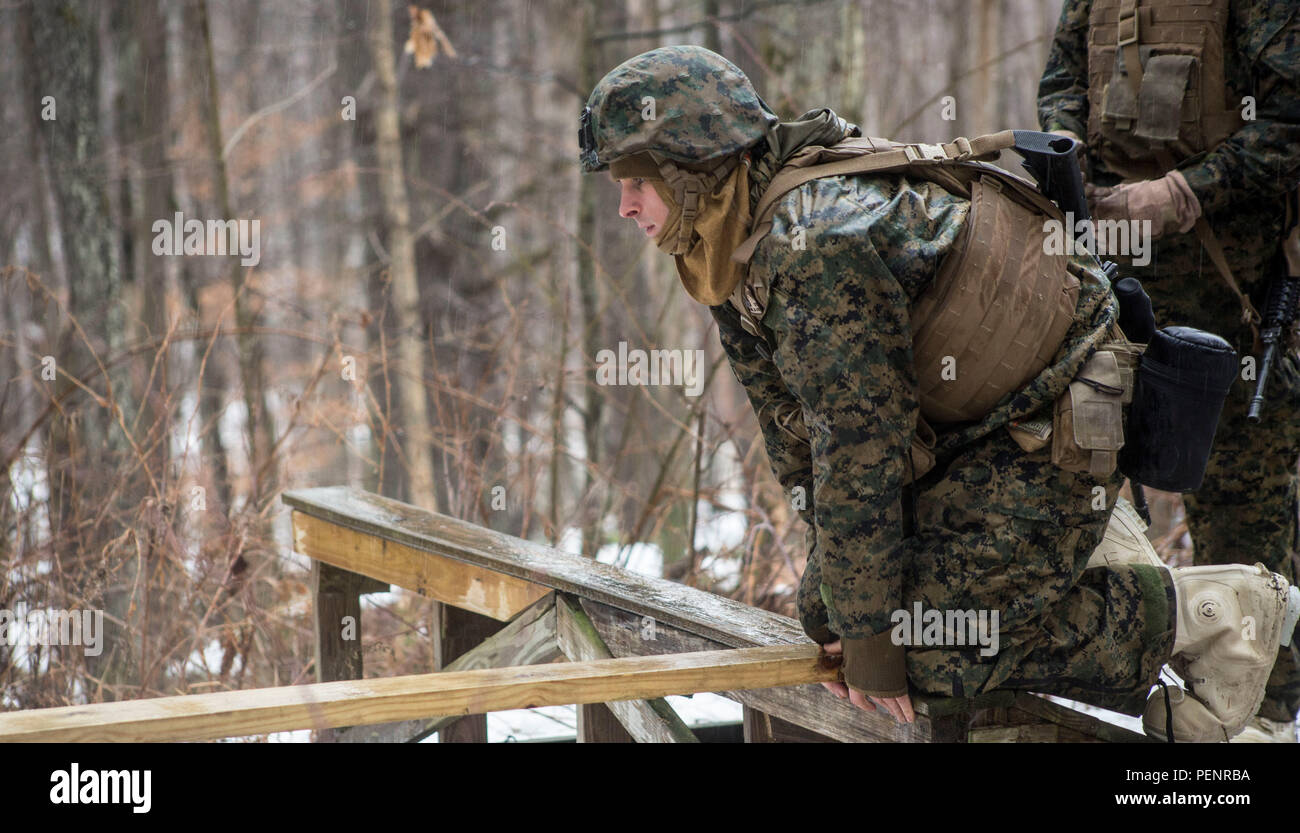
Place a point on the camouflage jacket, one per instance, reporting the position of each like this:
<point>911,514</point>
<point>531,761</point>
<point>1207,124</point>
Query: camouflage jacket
<point>1259,163</point>
<point>845,258</point>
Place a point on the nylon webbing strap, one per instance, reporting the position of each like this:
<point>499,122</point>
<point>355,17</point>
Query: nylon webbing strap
<point>1129,37</point>
<point>869,160</point>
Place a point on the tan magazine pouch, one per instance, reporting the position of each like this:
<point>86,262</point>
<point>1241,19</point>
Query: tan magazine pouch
<point>1088,423</point>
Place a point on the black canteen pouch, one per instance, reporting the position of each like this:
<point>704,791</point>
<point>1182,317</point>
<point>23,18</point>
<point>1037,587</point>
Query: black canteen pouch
<point>1182,382</point>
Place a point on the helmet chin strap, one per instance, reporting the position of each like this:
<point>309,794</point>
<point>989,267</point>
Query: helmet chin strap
<point>687,187</point>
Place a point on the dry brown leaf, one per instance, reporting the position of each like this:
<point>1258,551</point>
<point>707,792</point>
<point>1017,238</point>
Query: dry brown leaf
<point>426,38</point>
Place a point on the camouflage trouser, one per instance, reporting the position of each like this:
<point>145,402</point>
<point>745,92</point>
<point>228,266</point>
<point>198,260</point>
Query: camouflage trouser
<point>1246,509</point>
<point>1000,529</point>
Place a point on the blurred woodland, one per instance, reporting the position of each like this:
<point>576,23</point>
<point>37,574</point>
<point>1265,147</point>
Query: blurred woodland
<point>435,279</point>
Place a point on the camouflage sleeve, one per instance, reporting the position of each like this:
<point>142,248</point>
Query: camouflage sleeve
<point>1262,159</point>
<point>780,418</point>
<point>1063,89</point>
<point>845,258</point>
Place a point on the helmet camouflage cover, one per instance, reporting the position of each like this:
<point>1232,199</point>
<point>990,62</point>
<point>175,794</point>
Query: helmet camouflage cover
<point>703,108</point>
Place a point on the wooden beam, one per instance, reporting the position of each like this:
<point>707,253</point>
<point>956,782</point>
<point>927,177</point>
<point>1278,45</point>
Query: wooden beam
<point>350,702</point>
<point>809,706</point>
<point>528,639</point>
<point>725,621</point>
<point>444,579</point>
<point>645,721</point>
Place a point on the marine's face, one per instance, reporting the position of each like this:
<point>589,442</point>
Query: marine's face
<point>641,203</point>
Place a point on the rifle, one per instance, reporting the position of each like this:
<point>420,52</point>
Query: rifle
<point>1279,320</point>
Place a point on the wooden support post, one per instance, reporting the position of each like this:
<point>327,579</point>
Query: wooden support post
<point>757,726</point>
<point>456,632</point>
<point>652,721</point>
<point>336,596</point>
<point>597,724</point>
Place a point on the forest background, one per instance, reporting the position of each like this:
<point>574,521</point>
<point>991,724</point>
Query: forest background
<point>433,284</point>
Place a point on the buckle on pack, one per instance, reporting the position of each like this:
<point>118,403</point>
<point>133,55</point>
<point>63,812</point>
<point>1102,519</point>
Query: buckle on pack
<point>1128,15</point>
<point>922,152</point>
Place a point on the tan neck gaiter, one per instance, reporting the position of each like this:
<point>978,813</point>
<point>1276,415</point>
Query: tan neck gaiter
<point>705,268</point>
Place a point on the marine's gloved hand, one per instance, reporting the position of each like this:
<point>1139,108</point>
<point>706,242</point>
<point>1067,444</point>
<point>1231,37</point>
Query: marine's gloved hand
<point>1167,203</point>
<point>900,707</point>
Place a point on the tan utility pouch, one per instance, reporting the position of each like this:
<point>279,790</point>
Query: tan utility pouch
<point>1088,424</point>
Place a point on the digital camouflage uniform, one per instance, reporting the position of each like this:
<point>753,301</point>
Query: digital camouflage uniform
<point>833,385</point>
<point>1246,509</point>
<point>995,528</point>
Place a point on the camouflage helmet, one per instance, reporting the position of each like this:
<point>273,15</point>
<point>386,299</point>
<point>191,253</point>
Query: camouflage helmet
<point>689,110</point>
<point>680,103</point>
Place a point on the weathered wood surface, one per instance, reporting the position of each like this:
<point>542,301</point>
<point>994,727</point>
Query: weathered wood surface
<point>469,587</point>
<point>810,706</point>
<point>528,639</point>
<point>726,621</point>
<point>455,633</point>
<point>597,723</point>
<point>756,725</point>
<point>690,619</point>
<point>349,702</point>
<point>1036,706</point>
<point>337,596</point>
<point>645,721</point>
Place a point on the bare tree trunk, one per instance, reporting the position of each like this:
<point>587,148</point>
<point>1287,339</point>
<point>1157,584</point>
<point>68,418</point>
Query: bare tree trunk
<point>85,440</point>
<point>589,295</point>
<point>401,248</point>
<point>252,378</point>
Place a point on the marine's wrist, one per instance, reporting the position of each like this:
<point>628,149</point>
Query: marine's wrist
<point>875,665</point>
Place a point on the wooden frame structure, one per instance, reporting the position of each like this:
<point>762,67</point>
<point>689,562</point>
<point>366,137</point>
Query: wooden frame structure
<point>522,625</point>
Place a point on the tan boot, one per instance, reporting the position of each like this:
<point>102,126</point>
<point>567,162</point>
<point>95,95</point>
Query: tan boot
<point>1231,621</point>
<point>1125,541</point>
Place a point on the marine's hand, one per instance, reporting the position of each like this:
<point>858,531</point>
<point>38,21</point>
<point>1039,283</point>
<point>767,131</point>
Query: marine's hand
<point>1167,204</point>
<point>898,707</point>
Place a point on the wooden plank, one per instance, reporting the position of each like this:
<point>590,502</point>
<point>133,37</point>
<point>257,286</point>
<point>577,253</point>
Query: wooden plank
<point>350,702</point>
<point>443,579</point>
<point>1084,724</point>
<point>457,632</point>
<point>726,621</point>
<point>528,639</point>
<point>644,721</point>
<point>809,706</point>
<point>1037,733</point>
